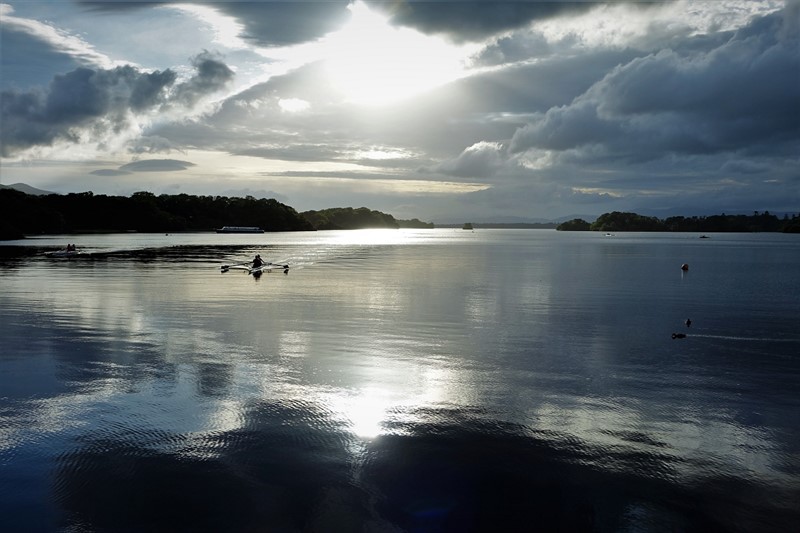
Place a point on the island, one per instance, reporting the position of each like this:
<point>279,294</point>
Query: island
<point>358,218</point>
<point>622,221</point>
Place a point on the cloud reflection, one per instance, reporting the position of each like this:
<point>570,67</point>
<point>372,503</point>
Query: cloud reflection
<point>364,395</point>
<point>446,470</point>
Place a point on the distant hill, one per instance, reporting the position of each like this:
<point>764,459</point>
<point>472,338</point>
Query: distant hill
<point>27,189</point>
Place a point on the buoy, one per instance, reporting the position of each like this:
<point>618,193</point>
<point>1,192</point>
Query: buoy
<point>688,322</point>
<point>684,267</point>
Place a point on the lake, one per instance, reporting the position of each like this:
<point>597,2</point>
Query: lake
<point>409,380</point>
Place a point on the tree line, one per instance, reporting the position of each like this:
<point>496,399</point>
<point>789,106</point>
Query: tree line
<point>25,214</point>
<point>358,218</point>
<point>619,221</point>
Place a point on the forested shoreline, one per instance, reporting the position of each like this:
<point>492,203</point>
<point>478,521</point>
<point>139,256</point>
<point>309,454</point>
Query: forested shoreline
<point>24,214</point>
<point>358,218</point>
<point>620,221</point>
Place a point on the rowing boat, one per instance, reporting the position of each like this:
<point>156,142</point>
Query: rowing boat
<point>266,267</point>
<point>63,253</point>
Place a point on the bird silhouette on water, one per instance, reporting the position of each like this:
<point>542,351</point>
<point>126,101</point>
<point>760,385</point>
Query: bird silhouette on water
<point>688,323</point>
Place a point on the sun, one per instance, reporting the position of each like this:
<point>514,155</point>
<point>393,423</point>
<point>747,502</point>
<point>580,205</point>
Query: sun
<point>371,62</point>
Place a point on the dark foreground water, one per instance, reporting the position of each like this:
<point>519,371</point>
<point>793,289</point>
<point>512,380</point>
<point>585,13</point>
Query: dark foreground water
<point>392,381</point>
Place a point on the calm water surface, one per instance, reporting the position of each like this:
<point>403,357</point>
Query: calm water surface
<point>437,380</point>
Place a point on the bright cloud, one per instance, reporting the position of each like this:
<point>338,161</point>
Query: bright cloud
<point>372,62</point>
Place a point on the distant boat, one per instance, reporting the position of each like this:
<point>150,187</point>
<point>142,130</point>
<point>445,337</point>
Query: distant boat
<point>63,253</point>
<point>467,226</point>
<point>240,229</point>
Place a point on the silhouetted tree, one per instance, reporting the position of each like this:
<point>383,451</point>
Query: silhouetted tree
<point>576,224</point>
<point>349,218</point>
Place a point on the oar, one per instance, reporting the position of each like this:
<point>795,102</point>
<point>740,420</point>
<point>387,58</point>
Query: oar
<point>281,264</point>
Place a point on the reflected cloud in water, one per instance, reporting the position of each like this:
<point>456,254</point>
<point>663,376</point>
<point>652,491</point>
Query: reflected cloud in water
<point>386,387</point>
<point>290,467</point>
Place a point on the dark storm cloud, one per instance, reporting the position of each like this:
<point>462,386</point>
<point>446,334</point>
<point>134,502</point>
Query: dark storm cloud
<point>282,23</point>
<point>741,95</point>
<point>478,19</point>
<point>286,23</point>
<point>212,75</point>
<point>75,100</point>
<point>266,23</point>
<point>98,102</point>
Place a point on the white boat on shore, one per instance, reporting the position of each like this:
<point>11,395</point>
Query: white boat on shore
<point>240,229</point>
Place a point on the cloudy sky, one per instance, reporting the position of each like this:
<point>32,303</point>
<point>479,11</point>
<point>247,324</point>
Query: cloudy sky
<point>446,111</point>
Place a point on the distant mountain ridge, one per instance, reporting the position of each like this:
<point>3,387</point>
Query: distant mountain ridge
<point>27,189</point>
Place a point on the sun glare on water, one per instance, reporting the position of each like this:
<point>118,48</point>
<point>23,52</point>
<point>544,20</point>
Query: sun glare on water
<point>373,63</point>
